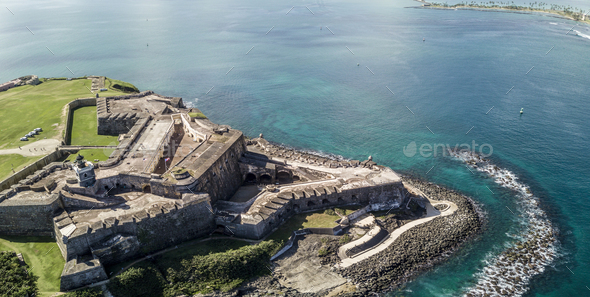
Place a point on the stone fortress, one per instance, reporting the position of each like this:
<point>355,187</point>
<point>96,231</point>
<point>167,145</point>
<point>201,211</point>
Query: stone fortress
<point>176,176</point>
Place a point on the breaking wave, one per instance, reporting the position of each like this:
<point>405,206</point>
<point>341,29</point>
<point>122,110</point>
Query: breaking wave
<point>530,252</point>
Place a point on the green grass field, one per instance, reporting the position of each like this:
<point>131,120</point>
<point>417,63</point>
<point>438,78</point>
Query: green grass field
<point>28,107</point>
<point>19,162</point>
<point>42,255</point>
<point>85,126</point>
<point>92,154</point>
<point>304,220</point>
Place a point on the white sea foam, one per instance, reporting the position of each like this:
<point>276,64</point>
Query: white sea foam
<point>582,34</point>
<point>533,248</point>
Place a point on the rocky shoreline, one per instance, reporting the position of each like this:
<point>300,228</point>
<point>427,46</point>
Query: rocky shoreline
<point>414,252</point>
<point>420,248</point>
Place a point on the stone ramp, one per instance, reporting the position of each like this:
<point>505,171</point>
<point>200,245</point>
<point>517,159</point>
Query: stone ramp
<point>431,214</point>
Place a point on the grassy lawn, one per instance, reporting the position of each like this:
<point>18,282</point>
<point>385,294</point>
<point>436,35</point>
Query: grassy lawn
<point>304,220</point>
<point>84,128</point>
<point>28,107</point>
<point>91,154</point>
<point>42,255</point>
<point>19,162</point>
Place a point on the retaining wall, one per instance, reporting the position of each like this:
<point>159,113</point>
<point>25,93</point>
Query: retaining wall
<point>70,107</point>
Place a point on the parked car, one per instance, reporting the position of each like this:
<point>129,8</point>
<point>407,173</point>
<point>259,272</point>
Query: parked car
<point>38,129</point>
<point>24,138</point>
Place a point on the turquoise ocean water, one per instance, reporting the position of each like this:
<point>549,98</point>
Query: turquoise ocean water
<point>302,87</point>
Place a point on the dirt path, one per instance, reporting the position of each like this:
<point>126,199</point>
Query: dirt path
<point>32,149</point>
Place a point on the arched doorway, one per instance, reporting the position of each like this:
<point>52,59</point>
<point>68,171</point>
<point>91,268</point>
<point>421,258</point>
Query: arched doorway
<point>310,203</point>
<point>146,189</point>
<point>284,177</point>
<point>325,201</point>
<point>250,178</point>
<point>296,178</point>
<point>265,179</point>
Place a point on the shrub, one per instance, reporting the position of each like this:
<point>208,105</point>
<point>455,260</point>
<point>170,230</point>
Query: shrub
<point>85,293</point>
<point>138,281</point>
<point>330,212</point>
<point>220,271</point>
<point>322,252</point>
<point>14,278</point>
<point>345,239</point>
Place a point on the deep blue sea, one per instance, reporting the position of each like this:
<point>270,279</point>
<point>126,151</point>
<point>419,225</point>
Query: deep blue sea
<point>360,78</point>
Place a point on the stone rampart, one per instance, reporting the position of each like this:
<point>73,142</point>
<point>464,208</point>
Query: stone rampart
<point>219,175</point>
<point>29,169</point>
<point>28,218</point>
<point>113,123</point>
<point>80,273</point>
<point>142,231</point>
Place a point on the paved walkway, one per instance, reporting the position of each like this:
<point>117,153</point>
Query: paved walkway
<point>431,214</point>
<point>40,147</point>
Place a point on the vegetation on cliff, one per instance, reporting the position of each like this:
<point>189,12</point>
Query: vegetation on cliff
<point>568,11</point>
<point>14,278</point>
<point>197,115</point>
<point>201,268</point>
<point>92,292</point>
<point>120,85</point>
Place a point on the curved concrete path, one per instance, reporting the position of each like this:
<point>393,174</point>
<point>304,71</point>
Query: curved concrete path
<point>431,214</point>
<point>40,147</point>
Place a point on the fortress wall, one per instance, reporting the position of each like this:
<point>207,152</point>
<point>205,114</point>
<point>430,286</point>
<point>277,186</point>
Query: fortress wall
<point>153,162</point>
<point>222,177</point>
<point>316,198</point>
<point>124,145</point>
<point>29,219</point>
<point>70,107</point>
<point>171,225</point>
<point>142,232</point>
<point>29,169</point>
<point>161,188</point>
<point>80,273</point>
<point>110,123</point>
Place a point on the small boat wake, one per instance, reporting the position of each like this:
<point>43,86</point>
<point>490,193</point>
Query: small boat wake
<point>530,252</point>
